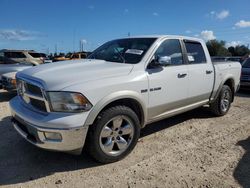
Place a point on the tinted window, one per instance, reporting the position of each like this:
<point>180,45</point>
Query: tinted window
<point>83,55</point>
<point>75,56</point>
<point>35,55</point>
<point>246,64</point>
<point>172,49</point>
<point>129,50</point>
<point>43,55</point>
<point>195,53</point>
<point>14,55</point>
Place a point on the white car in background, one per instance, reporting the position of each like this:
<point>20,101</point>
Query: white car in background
<point>9,81</point>
<point>24,56</point>
<point>11,66</point>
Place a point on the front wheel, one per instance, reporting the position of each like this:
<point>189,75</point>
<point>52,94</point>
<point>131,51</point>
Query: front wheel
<point>223,102</point>
<point>114,134</point>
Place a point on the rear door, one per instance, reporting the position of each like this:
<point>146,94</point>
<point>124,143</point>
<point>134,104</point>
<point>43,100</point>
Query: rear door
<point>168,85</point>
<point>200,72</point>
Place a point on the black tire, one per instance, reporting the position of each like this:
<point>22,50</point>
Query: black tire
<point>216,107</point>
<point>94,144</point>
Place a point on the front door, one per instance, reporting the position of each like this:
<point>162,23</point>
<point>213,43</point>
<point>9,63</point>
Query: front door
<point>168,85</point>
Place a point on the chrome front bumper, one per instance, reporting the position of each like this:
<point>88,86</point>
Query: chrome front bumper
<point>71,139</point>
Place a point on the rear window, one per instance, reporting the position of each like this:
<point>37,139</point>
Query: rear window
<point>246,64</point>
<point>195,53</point>
<point>14,55</point>
<point>36,55</point>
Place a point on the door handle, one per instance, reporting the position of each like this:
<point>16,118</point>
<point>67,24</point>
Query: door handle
<point>182,75</point>
<point>208,71</point>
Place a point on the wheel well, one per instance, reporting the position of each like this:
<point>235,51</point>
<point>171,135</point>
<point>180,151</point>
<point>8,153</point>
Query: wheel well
<point>230,83</point>
<point>131,103</point>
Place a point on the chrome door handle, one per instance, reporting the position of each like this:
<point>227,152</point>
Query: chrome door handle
<point>182,75</point>
<point>208,71</point>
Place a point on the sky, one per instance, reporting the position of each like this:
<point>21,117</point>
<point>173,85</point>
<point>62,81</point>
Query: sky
<point>59,25</point>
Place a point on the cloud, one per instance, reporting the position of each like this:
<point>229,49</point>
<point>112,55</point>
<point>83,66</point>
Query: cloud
<point>126,10</point>
<point>243,24</point>
<point>222,15</point>
<point>207,35</point>
<point>234,43</point>
<point>155,14</point>
<point>219,15</point>
<point>84,41</point>
<point>18,35</point>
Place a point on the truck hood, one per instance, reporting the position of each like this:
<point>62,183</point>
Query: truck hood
<point>56,76</point>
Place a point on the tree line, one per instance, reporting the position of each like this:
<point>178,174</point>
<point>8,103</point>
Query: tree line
<point>218,48</point>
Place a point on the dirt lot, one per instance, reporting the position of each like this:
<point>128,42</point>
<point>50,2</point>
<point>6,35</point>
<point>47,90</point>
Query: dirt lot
<point>191,150</point>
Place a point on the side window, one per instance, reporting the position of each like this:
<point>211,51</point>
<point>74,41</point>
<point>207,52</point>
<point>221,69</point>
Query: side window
<point>195,53</point>
<point>14,55</point>
<point>83,56</point>
<point>20,55</point>
<point>75,56</point>
<point>172,49</point>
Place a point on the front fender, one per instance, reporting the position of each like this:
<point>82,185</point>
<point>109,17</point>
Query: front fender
<point>111,98</point>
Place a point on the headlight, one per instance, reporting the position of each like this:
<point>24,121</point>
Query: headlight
<point>13,82</point>
<point>68,102</point>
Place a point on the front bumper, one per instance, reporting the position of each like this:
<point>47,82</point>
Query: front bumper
<point>28,123</point>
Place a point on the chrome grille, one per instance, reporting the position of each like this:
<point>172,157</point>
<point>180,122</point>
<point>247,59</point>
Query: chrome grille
<point>32,95</point>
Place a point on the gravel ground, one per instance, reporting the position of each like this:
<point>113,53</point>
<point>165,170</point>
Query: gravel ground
<point>194,149</point>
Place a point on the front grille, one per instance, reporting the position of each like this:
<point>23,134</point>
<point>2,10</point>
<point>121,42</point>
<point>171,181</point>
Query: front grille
<point>4,81</point>
<point>40,105</point>
<point>33,89</point>
<point>32,95</point>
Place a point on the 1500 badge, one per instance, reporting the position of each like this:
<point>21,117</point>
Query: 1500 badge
<point>151,89</point>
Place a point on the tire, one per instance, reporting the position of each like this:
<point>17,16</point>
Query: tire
<point>222,104</point>
<point>113,135</point>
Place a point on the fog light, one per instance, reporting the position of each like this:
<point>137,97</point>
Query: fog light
<point>53,136</point>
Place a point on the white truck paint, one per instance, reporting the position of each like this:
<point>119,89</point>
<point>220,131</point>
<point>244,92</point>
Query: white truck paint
<point>173,74</point>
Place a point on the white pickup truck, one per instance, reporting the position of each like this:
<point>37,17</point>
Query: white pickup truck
<point>103,102</point>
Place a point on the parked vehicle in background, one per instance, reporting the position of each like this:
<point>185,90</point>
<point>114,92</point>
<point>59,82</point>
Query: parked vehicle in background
<point>8,65</point>
<point>245,74</point>
<point>223,59</point>
<point>9,81</point>
<point>24,56</point>
<point>124,85</point>
<point>71,56</point>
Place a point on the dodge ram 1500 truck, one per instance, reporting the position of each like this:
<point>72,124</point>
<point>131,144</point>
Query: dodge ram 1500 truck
<point>102,102</point>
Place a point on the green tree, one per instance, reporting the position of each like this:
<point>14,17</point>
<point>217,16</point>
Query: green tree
<point>217,48</point>
<point>241,50</point>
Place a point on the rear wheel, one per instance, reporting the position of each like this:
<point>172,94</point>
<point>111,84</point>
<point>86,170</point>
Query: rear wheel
<point>223,102</point>
<point>114,134</point>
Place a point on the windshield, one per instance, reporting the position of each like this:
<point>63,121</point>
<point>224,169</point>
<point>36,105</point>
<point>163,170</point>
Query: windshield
<point>246,64</point>
<point>129,50</point>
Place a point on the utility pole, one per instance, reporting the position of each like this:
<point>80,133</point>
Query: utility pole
<point>55,48</point>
